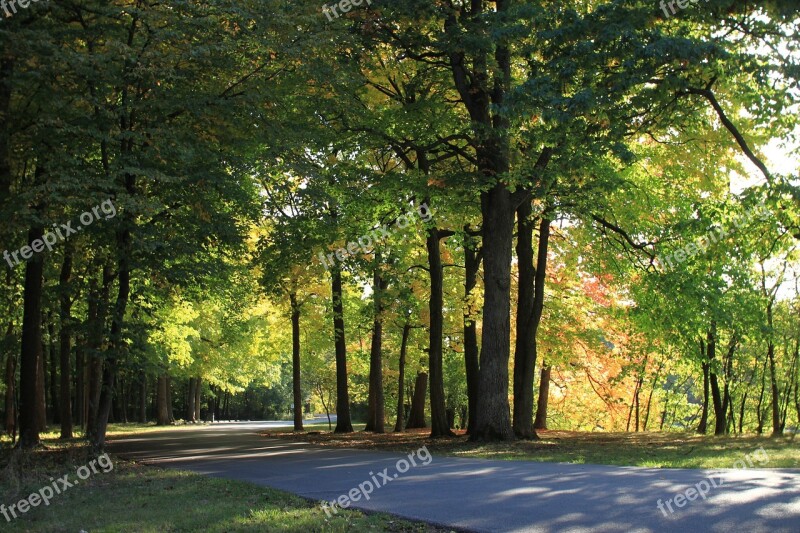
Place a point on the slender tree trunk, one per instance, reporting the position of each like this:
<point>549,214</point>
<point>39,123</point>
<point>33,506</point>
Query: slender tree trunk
<point>416,418</point>
<point>401,380</point>
<point>439,424</point>
<point>759,411</point>
<point>529,314</point>
<point>544,396</point>
<point>190,402</point>
<point>143,398</point>
<point>168,400</point>
<point>473,259</point>
<point>80,383</point>
<point>343,421</point>
<point>198,392</point>
<point>777,430</point>
<point>162,411</point>
<point>11,392</point>
<point>31,346</point>
<point>297,390</point>
<point>52,381</point>
<point>41,390</point>
<point>376,409</point>
<point>702,428</point>
<point>65,343</point>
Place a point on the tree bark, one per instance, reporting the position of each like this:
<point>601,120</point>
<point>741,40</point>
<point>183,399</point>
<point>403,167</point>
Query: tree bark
<point>544,397</point>
<point>31,351</point>
<point>52,379</point>
<point>190,402</point>
<point>416,418</point>
<point>401,380</point>
<point>472,259</point>
<point>529,314</point>
<point>65,343</point>
<point>493,416</point>
<point>162,412</point>
<point>343,421</point>
<point>198,393</point>
<point>143,398</point>
<point>297,390</point>
<point>11,393</point>
<point>376,415</point>
<point>439,423</point>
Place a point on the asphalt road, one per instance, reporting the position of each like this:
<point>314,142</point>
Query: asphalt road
<point>481,495</point>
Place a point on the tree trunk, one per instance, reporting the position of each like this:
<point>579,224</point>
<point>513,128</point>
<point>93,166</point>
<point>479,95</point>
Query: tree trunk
<point>493,417</point>
<point>529,313</point>
<point>720,414</point>
<point>343,421</point>
<point>143,398</point>
<point>162,412</point>
<point>65,343</point>
<point>80,383</point>
<point>376,409</point>
<point>297,390</point>
<point>401,379</point>
<point>439,425</point>
<point>52,381</point>
<point>416,418</point>
<point>41,390</point>
<point>31,346</point>
<point>472,258</point>
<point>544,396</point>
<point>168,400</point>
<point>11,394</point>
<point>190,402</point>
<point>198,392</point>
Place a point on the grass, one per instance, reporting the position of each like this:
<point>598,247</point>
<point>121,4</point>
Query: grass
<point>138,498</point>
<point>655,450</point>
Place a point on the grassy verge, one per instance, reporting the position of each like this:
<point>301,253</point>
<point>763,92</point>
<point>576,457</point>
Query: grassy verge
<point>133,497</point>
<point>656,450</point>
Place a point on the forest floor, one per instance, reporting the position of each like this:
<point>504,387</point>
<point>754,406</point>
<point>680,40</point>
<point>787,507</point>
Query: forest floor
<point>133,497</point>
<point>650,449</point>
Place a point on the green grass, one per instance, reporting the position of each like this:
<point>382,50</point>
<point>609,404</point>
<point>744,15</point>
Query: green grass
<point>655,450</point>
<point>138,498</point>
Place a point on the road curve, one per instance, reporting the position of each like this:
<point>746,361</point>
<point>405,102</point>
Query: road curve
<point>482,495</point>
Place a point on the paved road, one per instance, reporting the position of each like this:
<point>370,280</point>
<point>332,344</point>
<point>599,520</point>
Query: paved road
<point>486,496</point>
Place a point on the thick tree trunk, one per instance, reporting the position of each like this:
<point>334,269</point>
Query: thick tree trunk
<point>65,343</point>
<point>472,258</point>
<point>162,401</point>
<point>439,424</point>
<point>544,397</point>
<point>416,418</point>
<point>297,390</point>
<point>343,421</point>
<point>401,380</point>
<point>31,346</point>
<point>376,415</point>
<point>493,417</point>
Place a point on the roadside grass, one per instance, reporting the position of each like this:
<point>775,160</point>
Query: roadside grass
<point>138,498</point>
<point>654,450</point>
